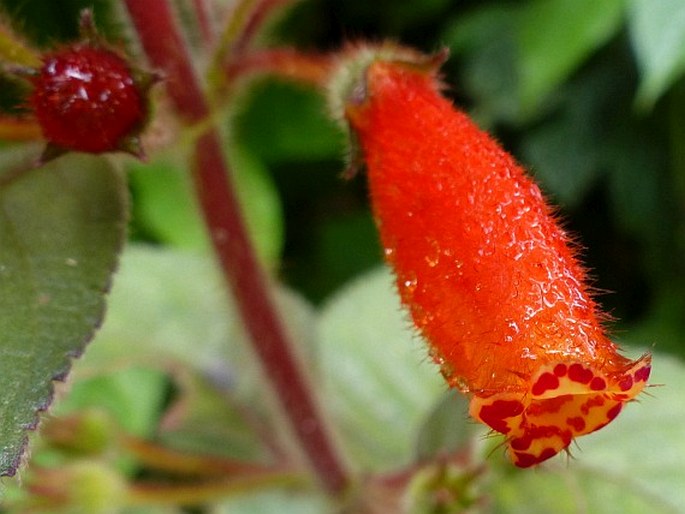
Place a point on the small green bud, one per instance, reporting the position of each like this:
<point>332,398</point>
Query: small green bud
<point>88,432</point>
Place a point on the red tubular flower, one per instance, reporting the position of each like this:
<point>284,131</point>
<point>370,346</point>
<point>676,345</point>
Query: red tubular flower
<point>491,279</point>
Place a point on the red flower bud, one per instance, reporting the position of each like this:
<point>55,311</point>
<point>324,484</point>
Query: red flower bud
<point>86,98</point>
<point>491,279</point>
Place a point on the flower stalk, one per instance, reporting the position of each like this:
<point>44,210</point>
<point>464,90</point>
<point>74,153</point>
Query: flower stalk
<point>164,45</point>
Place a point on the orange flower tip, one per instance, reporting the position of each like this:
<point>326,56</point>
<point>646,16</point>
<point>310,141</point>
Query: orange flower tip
<point>565,400</point>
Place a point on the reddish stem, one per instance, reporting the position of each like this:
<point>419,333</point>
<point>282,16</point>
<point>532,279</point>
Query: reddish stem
<point>165,47</point>
<point>163,43</point>
<point>289,63</point>
<point>261,12</point>
<point>203,12</point>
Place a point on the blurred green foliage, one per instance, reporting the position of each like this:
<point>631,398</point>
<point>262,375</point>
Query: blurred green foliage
<point>49,23</point>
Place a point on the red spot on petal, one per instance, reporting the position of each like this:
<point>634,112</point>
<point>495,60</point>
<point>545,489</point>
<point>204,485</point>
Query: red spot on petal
<point>577,423</point>
<point>642,374</point>
<point>521,443</point>
<point>548,405</point>
<point>547,453</point>
<point>525,460</point>
<point>614,411</point>
<point>598,384</point>
<point>546,382</point>
<point>494,415</point>
<point>578,373</point>
<point>626,383</point>
<point>560,370</point>
<point>543,432</point>
<point>594,401</point>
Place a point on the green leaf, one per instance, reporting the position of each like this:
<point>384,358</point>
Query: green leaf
<point>514,56</point>
<point>657,31</point>
<point>526,492</point>
<point>641,450</point>
<point>281,501</point>
<point>169,309</point>
<point>61,228</point>
<point>166,207</point>
<point>169,306</point>
<point>555,37</point>
<point>203,419</point>
<point>163,509</point>
<point>447,428</point>
<point>133,396</point>
<point>378,383</point>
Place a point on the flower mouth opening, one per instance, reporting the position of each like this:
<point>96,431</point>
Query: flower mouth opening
<point>565,400</point>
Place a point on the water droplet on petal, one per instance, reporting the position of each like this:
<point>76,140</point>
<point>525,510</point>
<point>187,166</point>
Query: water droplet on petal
<point>409,284</point>
<point>389,253</point>
<point>433,258</point>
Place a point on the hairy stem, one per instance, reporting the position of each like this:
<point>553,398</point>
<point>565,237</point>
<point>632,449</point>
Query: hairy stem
<point>262,10</point>
<point>163,43</point>
<point>248,17</point>
<point>203,11</point>
<point>313,69</point>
